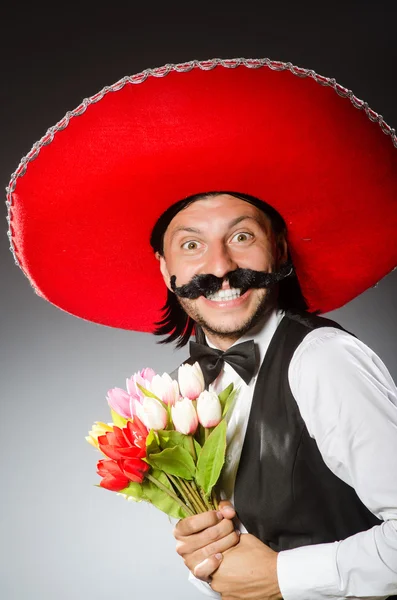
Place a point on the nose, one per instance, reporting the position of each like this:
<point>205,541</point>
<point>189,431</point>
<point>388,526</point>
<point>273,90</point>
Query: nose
<point>219,260</point>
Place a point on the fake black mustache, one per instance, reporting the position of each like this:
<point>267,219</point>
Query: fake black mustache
<point>244,279</point>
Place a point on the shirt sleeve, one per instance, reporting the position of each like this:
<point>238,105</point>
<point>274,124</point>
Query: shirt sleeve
<point>203,587</point>
<point>348,401</point>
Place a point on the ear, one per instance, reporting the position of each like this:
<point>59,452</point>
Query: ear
<point>164,271</point>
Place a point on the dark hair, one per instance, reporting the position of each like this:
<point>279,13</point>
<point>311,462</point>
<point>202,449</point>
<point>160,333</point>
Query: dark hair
<point>175,322</point>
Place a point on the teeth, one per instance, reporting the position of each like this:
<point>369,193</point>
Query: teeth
<point>225,295</point>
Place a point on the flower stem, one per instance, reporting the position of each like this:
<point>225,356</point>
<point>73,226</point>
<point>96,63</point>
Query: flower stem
<point>207,431</point>
<point>192,499</point>
<point>176,482</point>
<point>192,449</point>
<point>196,494</point>
<point>162,487</point>
<point>207,502</point>
<point>214,499</point>
<point>169,419</point>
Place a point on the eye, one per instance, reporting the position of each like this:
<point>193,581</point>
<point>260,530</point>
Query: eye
<point>190,245</point>
<point>242,236</point>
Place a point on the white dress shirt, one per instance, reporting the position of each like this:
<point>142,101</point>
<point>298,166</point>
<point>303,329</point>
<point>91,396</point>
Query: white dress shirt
<point>348,402</point>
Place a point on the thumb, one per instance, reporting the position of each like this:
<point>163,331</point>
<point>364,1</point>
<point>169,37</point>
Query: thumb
<point>227,509</point>
<point>205,569</point>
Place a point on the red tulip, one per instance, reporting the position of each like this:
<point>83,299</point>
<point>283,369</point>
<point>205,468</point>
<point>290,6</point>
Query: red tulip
<point>138,431</point>
<point>135,469</point>
<point>113,477</point>
<point>126,446</point>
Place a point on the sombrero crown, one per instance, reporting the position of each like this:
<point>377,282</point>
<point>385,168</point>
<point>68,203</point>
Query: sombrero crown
<point>83,202</point>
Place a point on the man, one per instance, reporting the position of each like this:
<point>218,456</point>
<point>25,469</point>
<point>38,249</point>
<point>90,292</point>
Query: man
<point>224,217</point>
<point>230,233</point>
<point>312,437</point>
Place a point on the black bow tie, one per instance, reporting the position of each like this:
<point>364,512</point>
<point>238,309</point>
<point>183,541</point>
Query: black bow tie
<point>241,357</point>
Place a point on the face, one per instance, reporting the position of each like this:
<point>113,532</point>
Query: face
<point>214,236</point>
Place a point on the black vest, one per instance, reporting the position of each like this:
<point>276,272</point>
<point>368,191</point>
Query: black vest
<point>284,492</point>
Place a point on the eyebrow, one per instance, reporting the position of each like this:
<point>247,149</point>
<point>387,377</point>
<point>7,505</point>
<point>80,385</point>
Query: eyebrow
<point>231,224</point>
<point>242,218</point>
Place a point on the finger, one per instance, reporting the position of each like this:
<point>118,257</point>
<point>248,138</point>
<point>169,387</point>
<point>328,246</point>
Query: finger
<point>196,523</point>
<point>207,567</point>
<point>189,544</point>
<point>219,547</point>
<point>227,509</point>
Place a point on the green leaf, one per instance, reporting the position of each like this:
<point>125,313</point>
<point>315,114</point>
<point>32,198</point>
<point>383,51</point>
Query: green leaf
<point>211,459</point>
<point>148,393</point>
<point>197,447</point>
<point>152,442</point>
<point>230,401</point>
<point>118,419</point>
<point>223,396</point>
<point>172,438</point>
<point>133,490</point>
<point>159,498</point>
<point>176,461</point>
<point>170,424</point>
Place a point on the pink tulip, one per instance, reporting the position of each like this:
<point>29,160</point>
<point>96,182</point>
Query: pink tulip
<point>135,402</point>
<point>209,410</point>
<point>119,401</point>
<point>144,378</point>
<point>152,413</point>
<point>147,373</point>
<point>165,388</point>
<point>191,380</point>
<point>184,416</point>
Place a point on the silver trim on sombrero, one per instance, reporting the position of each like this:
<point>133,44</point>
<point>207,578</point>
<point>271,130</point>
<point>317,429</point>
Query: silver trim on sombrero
<point>205,65</point>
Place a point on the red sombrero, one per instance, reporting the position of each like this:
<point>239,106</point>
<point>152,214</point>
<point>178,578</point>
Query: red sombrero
<point>83,202</point>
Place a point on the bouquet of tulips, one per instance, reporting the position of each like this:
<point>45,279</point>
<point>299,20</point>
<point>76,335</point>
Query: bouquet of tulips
<point>167,442</point>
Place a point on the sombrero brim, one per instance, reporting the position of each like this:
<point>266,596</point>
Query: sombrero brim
<point>83,202</point>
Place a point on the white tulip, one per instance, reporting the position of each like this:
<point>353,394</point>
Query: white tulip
<point>152,413</point>
<point>184,416</point>
<point>165,388</point>
<point>209,409</point>
<point>191,380</point>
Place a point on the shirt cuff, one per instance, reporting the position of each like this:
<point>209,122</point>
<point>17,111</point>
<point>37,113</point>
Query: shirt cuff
<point>204,587</point>
<point>309,573</point>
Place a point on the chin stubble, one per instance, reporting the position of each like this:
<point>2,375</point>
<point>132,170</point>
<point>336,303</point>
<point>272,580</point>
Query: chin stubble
<point>265,306</point>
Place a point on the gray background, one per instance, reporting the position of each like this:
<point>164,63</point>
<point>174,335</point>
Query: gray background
<point>62,537</point>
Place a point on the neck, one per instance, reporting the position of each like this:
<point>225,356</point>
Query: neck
<point>223,341</point>
<point>220,341</point>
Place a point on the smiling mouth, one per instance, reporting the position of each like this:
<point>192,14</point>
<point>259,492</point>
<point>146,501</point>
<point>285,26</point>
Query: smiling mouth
<point>224,295</point>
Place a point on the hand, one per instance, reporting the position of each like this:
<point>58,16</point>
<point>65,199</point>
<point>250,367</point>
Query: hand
<point>247,571</point>
<point>202,538</point>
